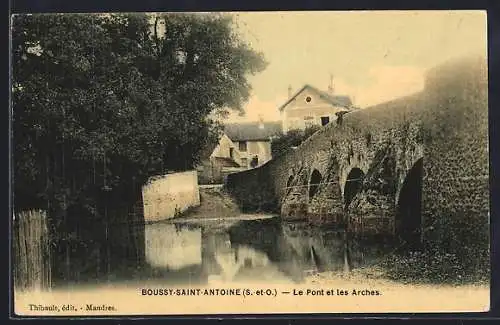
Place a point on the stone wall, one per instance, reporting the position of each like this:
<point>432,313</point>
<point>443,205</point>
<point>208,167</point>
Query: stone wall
<point>456,183</point>
<point>253,189</point>
<point>445,127</point>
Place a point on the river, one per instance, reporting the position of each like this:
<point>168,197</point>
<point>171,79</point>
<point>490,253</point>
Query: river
<point>247,249</point>
<point>248,254</point>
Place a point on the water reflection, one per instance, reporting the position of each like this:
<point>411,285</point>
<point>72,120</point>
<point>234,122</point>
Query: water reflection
<point>252,250</point>
<point>172,246</point>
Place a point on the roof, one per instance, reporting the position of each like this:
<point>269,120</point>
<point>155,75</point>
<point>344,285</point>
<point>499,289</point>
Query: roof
<point>252,131</point>
<point>337,100</point>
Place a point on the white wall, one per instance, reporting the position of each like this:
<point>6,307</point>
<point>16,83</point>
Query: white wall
<point>260,148</point>
<point>164,195</point>
<point>223,149</point>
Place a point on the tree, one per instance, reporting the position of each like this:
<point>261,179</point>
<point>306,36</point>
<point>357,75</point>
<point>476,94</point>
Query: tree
<point>293,138</point>
<point>102,102</point>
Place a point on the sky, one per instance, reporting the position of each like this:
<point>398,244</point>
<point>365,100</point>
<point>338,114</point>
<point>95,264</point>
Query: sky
<point>373,56</point>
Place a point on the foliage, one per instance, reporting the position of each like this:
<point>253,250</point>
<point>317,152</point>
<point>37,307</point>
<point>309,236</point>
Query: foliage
<point>284,142</point>
<point>102,102</point>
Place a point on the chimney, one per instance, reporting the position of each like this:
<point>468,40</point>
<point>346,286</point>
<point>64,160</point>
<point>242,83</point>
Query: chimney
<point>330,86</point>
<point>261,121</point>
<point>289,91</point>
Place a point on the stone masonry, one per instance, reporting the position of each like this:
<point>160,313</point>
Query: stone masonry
<point>445,127</point>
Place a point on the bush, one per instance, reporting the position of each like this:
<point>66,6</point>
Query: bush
<point>293,138</point>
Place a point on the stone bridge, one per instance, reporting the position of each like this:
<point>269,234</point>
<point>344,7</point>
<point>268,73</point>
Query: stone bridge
<point>415,167</point>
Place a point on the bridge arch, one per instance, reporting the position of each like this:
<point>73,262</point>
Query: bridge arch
<point>314,181</point>
<point>352,185</point>
<point>409,206</point>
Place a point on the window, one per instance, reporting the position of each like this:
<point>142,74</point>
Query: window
<point>308,99</point>
<point>325,120</point>
<point>242,146</point>
<point>231,152</point>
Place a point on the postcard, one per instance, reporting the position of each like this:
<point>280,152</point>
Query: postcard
<point>298,162</point>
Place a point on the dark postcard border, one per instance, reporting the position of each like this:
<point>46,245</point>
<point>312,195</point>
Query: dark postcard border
<point>494,123</point>
<point>493,10</point>
<point>20,6</point>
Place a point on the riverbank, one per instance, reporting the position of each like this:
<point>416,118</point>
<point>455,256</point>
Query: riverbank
<point>377,275</point>
<point>216,205</point>
<point>383,274</point>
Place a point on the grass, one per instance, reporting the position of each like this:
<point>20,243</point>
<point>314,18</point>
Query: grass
<point>435,268</point>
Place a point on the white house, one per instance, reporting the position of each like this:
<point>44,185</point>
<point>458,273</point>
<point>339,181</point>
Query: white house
<point>241,146</point>
<point>251,142</point>
<point>311,106</point>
